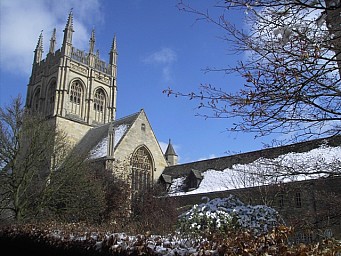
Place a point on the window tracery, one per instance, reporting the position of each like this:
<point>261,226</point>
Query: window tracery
<point>142,166</point>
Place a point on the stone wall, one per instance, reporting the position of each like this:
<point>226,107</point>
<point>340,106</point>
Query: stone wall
<point>74,129</point>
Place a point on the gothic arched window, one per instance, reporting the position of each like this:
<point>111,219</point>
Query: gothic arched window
<point>99,105</point>
<point>51,94</point>
<point>76,98</point>
<point>142,169</point>
<point>36,99</point>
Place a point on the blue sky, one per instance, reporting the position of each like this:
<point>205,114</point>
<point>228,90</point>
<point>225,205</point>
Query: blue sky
<point>159,46</point>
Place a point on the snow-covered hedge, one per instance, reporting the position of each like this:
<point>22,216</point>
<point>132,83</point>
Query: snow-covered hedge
<point>225,214</point>
<point>81,240</point>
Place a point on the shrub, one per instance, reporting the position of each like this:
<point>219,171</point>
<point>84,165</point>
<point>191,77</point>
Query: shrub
<point>225,214</point>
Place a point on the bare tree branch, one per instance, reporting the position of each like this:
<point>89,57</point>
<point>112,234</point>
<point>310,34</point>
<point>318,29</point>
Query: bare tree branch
<point>292,72</point>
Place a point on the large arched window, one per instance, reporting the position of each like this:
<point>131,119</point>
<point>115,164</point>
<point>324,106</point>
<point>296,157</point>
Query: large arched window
<point>99,106</point>
<point>36,100</point>
<point>142,169</point>
<point>51,95</point>
<point>76,98</point>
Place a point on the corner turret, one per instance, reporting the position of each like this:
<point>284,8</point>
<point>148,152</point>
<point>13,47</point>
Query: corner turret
<point>113,57</point>
<point>170,155</point>
<point>113,71</point>
<point>92,42</point>
<point>68,32</point>
<point>53,42</point>
<point>38,52</point>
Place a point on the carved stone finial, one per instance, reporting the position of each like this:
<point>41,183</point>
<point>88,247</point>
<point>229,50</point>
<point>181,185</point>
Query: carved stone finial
<point>53,41</point>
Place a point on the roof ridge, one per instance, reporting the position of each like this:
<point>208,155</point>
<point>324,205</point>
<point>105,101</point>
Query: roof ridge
<point>126,117</point>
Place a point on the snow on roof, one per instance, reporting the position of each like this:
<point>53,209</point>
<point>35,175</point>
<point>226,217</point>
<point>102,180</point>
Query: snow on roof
<point>101,149</point>
<point>119,130</point>
<point>239,175</point>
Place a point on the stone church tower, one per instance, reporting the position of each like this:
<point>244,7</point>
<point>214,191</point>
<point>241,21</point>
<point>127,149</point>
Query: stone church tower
<point>74,88</point>
<point>77,91</point>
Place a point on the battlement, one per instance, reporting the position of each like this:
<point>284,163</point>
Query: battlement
<point>77,55</point>
<point>84,57</point>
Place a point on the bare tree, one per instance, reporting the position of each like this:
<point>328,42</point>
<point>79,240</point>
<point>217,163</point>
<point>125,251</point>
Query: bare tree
<point>154,213</point>
<point>39,177</point>
<point>117,193</point>
<point>292,68</point>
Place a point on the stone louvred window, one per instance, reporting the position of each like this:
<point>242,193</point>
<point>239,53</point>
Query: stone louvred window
<point>51,94</point>
<point>99,105</point>
<point>76,98</point>
<point>36,99</point>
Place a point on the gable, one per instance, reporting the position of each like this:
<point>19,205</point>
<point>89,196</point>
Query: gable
<point>140,133</point>
<point>121,126</point>
<point>121,138</point>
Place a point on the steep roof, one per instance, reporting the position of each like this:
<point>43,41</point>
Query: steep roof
<point>221,163</point>
<point>170,150</point>
<point>301,161</point>
<point>166,178</point>
<point>92,138</point>
<point>95,141</point>
<point>197,174</point>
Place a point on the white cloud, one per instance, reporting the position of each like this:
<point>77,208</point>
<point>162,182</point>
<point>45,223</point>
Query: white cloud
<point>167,73</point>
<point>22,21</point>
<point>163,146</point>
<point>163,56</point>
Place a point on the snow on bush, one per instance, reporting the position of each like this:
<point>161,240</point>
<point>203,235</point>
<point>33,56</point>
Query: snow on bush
<point>224,214</point>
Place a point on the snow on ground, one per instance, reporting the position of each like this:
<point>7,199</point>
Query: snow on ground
<point>323,158</point>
